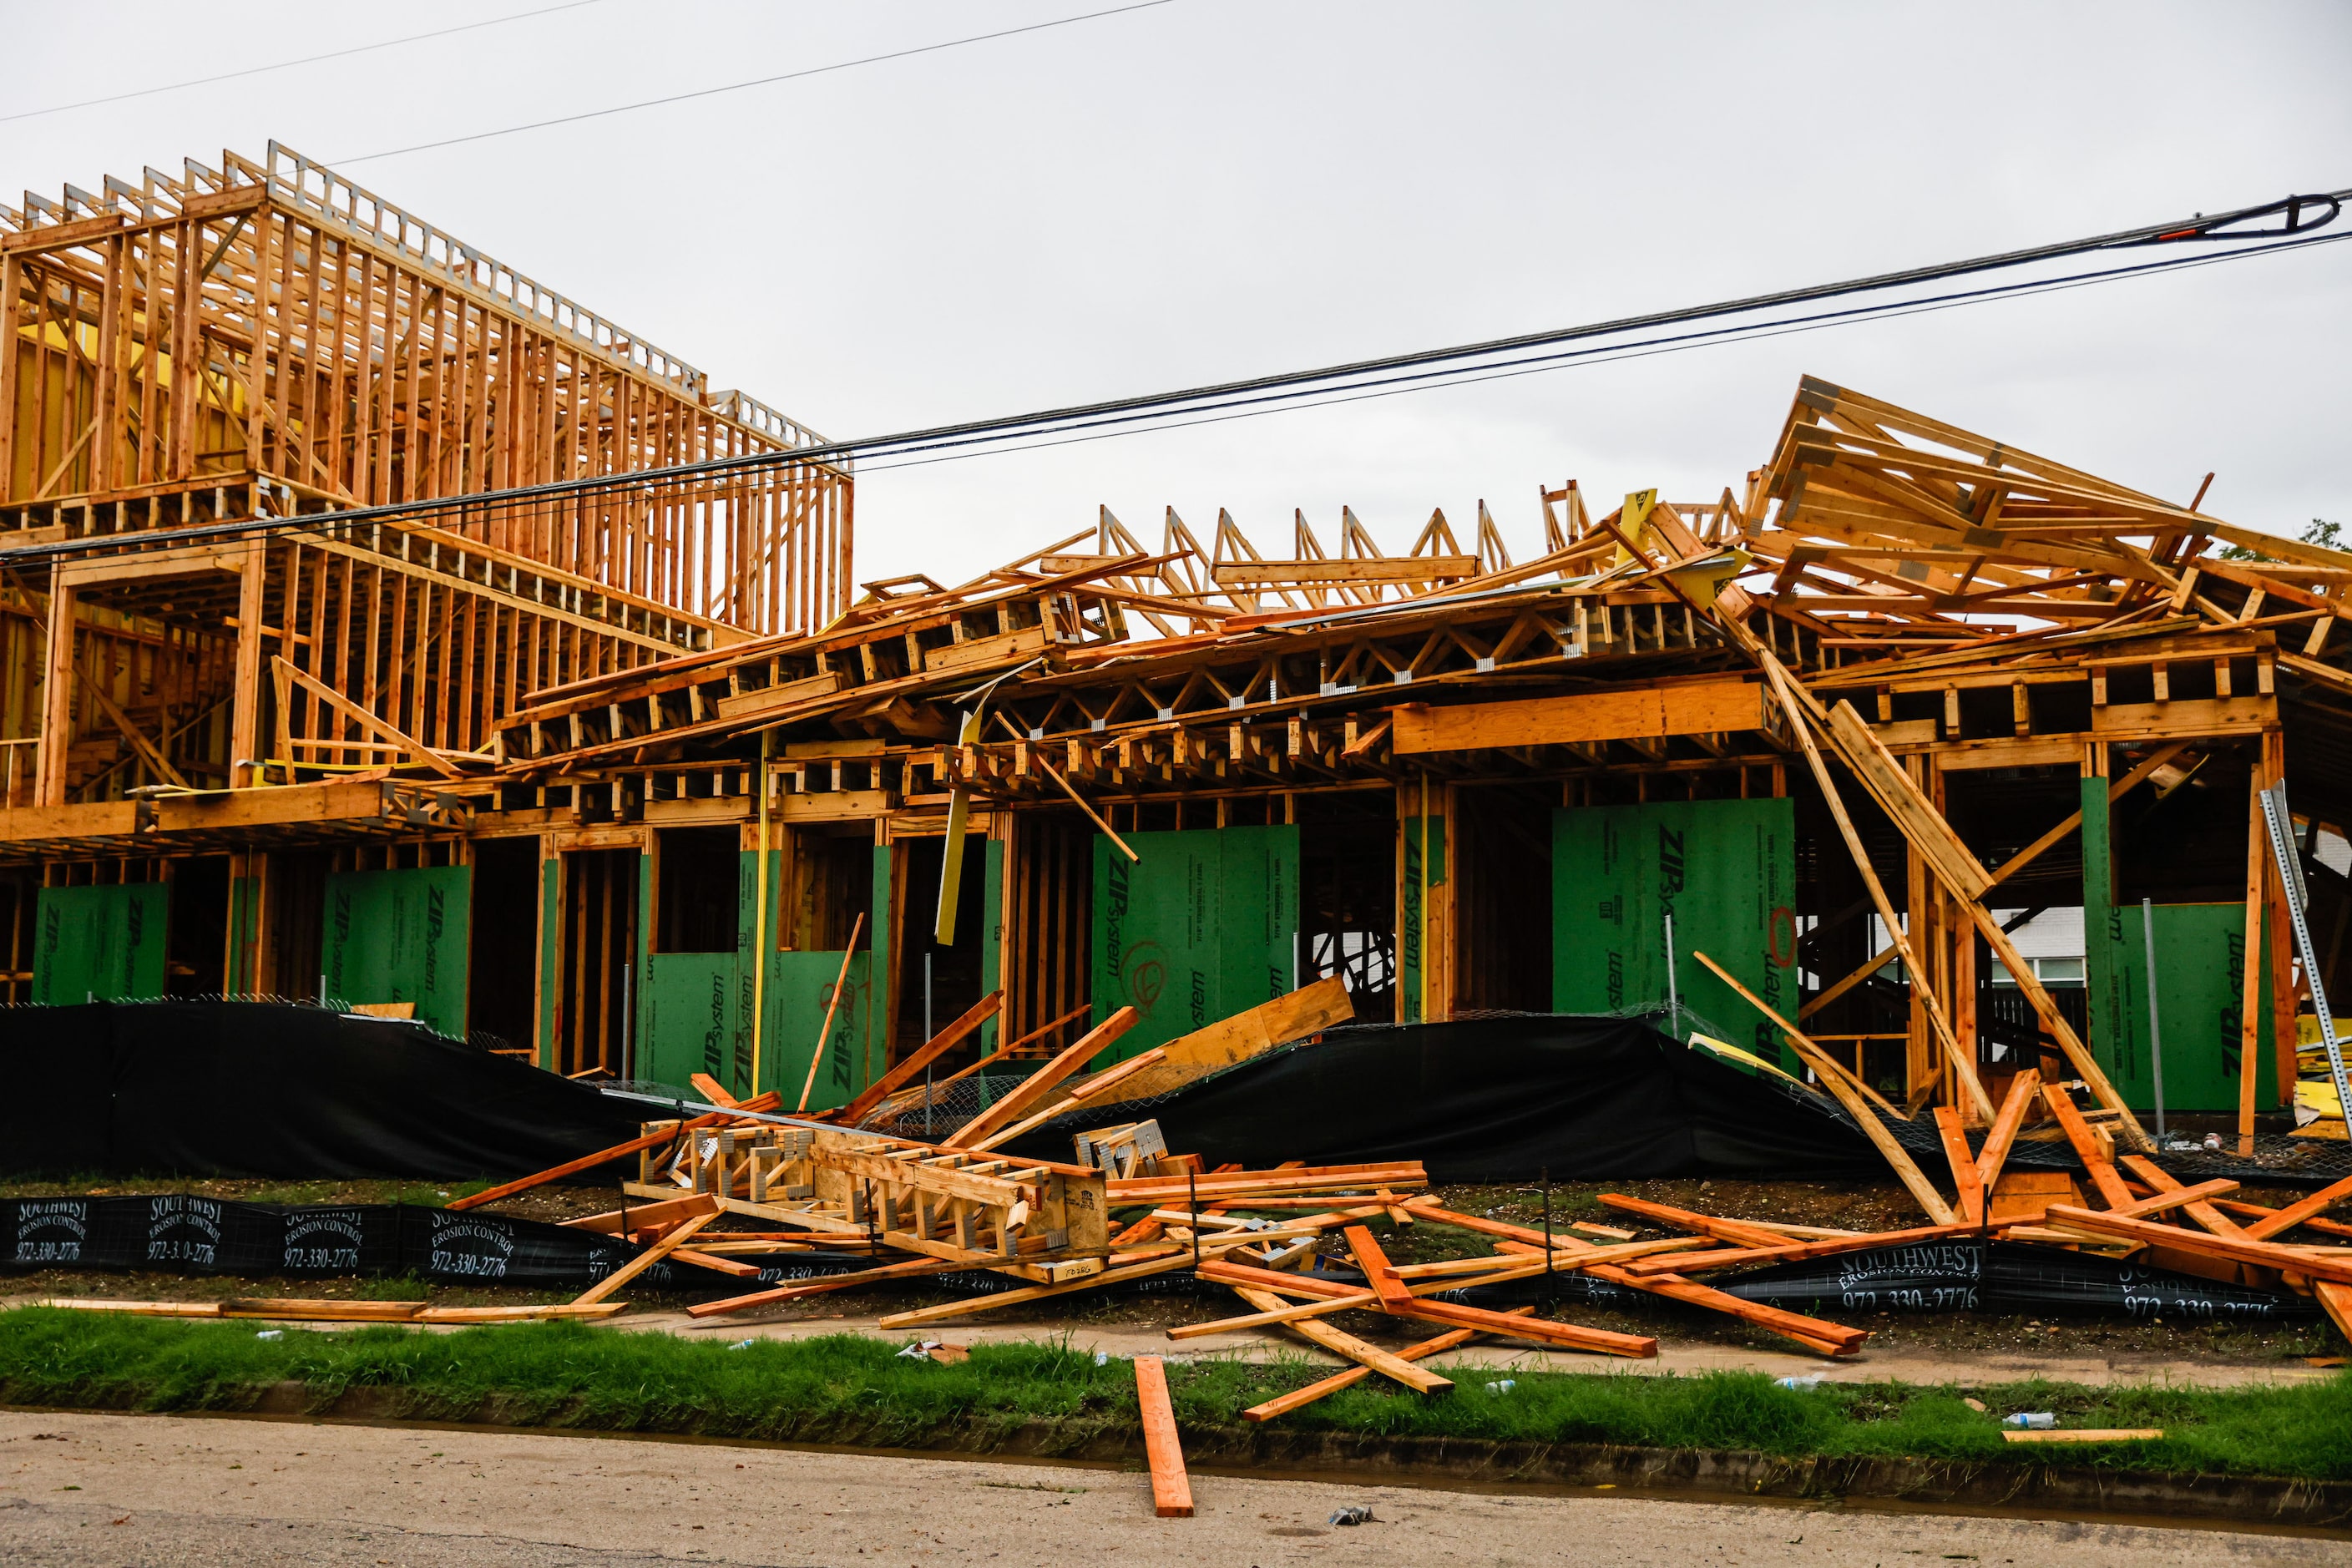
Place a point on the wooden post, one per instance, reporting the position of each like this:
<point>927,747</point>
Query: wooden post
<point>2253,954</point>
<point>244,726</point>
<point>759,920</point>
<point>1963,984</point>
<point>58,691</point>
<point>1920,1045</point>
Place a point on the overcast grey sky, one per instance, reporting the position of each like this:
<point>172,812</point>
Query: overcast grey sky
<point>1213,188</point>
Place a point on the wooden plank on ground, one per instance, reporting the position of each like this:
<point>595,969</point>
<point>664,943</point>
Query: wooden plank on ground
<point>2312,1261</point>
<point>1362,1352</point>
<point>523,1314</point>
<point>645,1216</point>
<point>1298,1398</point>
<point>1967,1187</point>
<point>2302,1210</point>
<point>1811,1332</point>
<point>2003,1132</point>
<point>1174,1259</point>
<point>135,1308</point>
<point>321,1311</point>
<point>1793,1251</point>
<point>1542,1331</point>
<point>820,1285</point>
<point>1031,1092</point>
<point>2096,1157</point>
<point>1740,1231</point>
<point>642,1261</point>
<point>1172,1489</point>
<point>1306,1011</point>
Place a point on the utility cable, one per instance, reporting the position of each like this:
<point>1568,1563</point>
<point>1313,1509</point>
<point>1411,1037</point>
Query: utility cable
<point>1609,353</point>
<point>305,60</point>
<point>741,86</point>
<point>2297,215</point>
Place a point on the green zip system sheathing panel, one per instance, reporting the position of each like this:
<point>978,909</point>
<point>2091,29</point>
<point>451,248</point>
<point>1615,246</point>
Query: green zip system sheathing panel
<point>991,925</point>
<point>243,935</point>
<point>1725,869</point>
<point>694,1009</point>
<point>1421,836</point>
<point>1203,925</point>
<point>104,942</point>
<point>550,922</point>
<point>2201,966</point>
<point>401,936</point>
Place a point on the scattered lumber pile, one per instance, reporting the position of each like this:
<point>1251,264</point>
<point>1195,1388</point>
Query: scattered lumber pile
<point>2139,1212</point>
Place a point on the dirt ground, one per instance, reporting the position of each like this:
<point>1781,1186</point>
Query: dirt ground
<point>1957,1338</point>
<point>98,1491</point>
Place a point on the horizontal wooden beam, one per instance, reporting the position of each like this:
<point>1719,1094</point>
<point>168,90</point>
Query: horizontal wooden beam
<point>1698,708</point>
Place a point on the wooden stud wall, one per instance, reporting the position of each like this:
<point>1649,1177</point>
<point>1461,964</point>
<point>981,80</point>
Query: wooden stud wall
<point>270,339</point>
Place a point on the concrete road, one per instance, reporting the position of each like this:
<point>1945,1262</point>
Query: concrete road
<point>136,1491</point>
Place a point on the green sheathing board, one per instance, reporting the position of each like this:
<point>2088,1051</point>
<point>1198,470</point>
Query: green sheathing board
<point>991,927</point>
<point>550,926</point>
<point>244,934</point>
<point>695,1008</point>
<point>1726,870</point>
<point>1410,928</point>
<point>2200,956</point>
<point>2199,972</point>
<point>686,1017</point>
<point>799,985</point>
<point>400,936</point>
<point>878,925</point>
<point>107,943</point>
<point>2102,929</point>
<point>1203,925</point>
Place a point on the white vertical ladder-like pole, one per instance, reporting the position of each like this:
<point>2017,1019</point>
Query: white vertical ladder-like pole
<point>2281,827</point>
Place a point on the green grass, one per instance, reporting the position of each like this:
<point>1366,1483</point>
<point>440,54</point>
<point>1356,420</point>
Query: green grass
<point>852,1389</point>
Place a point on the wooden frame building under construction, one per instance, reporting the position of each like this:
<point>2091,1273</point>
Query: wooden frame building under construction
<point>343,657</point>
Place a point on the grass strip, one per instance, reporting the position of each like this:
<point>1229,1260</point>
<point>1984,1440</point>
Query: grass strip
<point>853,1389</point>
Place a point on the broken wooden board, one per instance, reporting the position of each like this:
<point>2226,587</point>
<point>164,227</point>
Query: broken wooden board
<point>1306,1011</point>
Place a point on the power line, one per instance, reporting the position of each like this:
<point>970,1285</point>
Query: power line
<point>1614,353</point>
<point>1432,366</point>
<point>741,86</point>
<point>305,60</point>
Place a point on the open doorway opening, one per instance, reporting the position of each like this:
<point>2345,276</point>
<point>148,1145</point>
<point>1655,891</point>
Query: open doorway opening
<point>1502,898</point>
<point>1347,898</point>
<point>295,891</point>
<point>599,948</point>
<point>934,983</point>
<point>1048,927</point>
<point>198,959</point>
<point>503,945</point>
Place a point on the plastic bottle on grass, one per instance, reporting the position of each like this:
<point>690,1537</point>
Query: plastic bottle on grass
<point>2031,1420</point>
